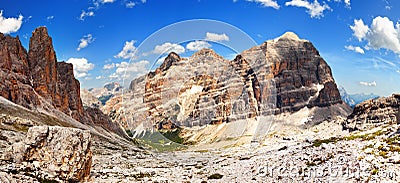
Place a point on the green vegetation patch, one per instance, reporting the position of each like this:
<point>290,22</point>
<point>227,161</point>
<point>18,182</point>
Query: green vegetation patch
<point>161,141</point>
<point>319,142</point>
<point>364,137</point>
<point>129,132</point>
<point>393,140</point>
<point>215,176</point>
<point>141,175</point>
<point>173,135</point>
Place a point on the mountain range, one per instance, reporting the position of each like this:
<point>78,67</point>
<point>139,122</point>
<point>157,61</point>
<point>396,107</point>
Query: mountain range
<point>284,76</point>
<point>273,102</point>
<point>353,99</point>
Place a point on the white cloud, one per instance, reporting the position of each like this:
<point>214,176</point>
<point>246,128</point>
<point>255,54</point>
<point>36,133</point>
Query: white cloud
<point>50,17</point>
<point>99,77</point>
<point>95,5</point>
<point>315,9</point>
<point>383,33</point>
<point>130,4</point>
<point>380,63</point>
<point>197,45</point>
<point>169,47</point>
<point>144,1</point>
<point>372,84</point>
<point>347,2</point>
<point>81,66</point>
<point>114,76</point>
<point>355,49</point>
<point>85,14</point>
<point>85,41</point>
<point>127,70</point>
<point>10,25</point>
<point>266,3</point>
<point>109,66</point>
<point>131,67</point>
<point>231,56</point>
<point>107,1</point>
<point>128,51</point>
<point>216,37</point>
<point>359,29</point>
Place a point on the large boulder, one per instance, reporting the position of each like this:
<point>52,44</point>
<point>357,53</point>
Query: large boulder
<point>54,153</point>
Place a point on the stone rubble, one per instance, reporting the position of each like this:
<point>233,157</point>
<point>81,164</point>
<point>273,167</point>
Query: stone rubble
<point>352,157</point>
<point>51,153</point>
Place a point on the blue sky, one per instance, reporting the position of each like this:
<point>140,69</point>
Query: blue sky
<point>359,39</point>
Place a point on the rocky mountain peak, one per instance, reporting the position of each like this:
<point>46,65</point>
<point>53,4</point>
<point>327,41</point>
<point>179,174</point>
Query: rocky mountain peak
<point>168,62</point>
<point>36,80</point>
<point>41,40</point>
<point>346,97</point>
<point>43,63</point>
<point>290,36</point>
<point>173,56</point>
<point>12,54</point>
<point>113,86</point>
<point>274,78</point>
<point>207,52</point>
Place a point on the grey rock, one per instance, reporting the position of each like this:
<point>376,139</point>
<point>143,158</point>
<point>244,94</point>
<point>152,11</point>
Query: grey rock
<point>54,153</point>
<point>373,113</point>
<point>282,75</point>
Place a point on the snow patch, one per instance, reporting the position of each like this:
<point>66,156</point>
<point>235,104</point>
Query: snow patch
<point>319,87</point>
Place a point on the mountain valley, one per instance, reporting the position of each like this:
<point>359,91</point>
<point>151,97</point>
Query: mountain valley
<point>273,113</point>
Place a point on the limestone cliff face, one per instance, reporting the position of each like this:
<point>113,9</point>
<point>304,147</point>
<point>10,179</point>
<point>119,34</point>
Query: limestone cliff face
<point>375,112</point>
<point>15,82</point>
<point>36,80</point>
<point>202,89</point>
<point>292,70</point>
<point>67,96</point>
<point>283,75</point>
<point>42,63</point>
<point>250,83</point>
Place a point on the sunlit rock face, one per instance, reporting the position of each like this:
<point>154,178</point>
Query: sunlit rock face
<point>283,75</point>
<point>375,112</point>
<point>203,89</point>
<point>55,153</point>
<point>294,72</point>
<point>36,80</point>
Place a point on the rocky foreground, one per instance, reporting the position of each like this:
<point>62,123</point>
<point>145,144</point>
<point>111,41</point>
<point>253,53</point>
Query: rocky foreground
<point>348,157</point>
